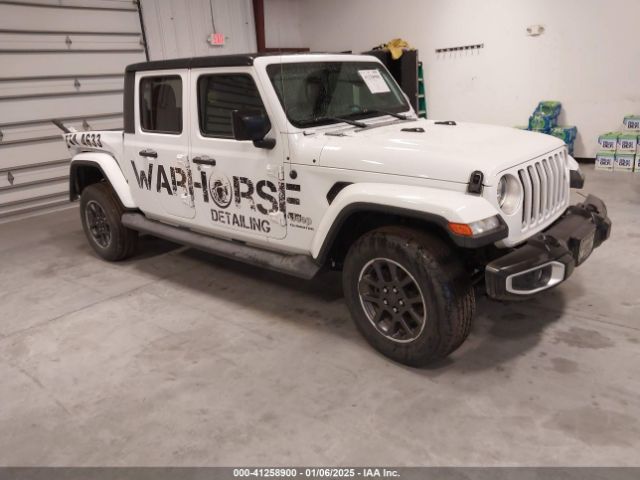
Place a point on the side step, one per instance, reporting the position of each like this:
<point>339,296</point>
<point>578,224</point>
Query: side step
<point>301,266</point>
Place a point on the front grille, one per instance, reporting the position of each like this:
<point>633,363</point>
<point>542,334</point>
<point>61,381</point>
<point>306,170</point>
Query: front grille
<point>545,187</point>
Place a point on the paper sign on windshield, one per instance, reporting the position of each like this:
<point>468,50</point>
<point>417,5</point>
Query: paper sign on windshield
<point>374,81</point>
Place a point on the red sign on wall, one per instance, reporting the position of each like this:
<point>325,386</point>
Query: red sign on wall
<point>216,39</point>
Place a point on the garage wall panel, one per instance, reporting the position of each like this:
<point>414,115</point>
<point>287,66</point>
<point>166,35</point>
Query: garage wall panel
<point>22,16</point>
<point>18,200</point>
<point>81,4</point>
<point>180,28</point>
<point>44,64</point>
<point>26,109</point>
<point>26,42</point>
<point>44,151</point>
<point>24,177</point>
<point>63,60</point>
<point>60,86</point>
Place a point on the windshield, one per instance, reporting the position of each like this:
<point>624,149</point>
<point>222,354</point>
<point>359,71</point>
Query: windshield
<point>320,93</point>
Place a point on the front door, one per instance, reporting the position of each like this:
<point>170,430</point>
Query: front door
<point>239,187</point>
<point>158,152</point>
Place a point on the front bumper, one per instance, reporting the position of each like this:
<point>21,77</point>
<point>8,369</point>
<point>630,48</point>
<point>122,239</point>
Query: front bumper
<point>548,258</point>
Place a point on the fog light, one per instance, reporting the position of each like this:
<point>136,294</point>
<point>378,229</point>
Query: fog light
<point>532,280</point>
<point>536,279</point>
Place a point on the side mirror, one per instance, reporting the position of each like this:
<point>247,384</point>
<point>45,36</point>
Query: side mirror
<point>252,125</point>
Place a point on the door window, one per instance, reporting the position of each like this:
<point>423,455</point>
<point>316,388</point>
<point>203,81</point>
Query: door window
<point>221,94</point>
<point>161,104</point>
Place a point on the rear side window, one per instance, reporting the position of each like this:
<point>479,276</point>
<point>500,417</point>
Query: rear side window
<point>161,104</point>
<point>219,95</point>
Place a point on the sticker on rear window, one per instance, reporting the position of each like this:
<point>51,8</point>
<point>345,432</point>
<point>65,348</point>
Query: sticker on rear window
<point>375,82</point>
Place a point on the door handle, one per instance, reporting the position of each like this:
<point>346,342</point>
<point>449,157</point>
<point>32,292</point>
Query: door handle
<point>204,160</point>
<point>147,152</point>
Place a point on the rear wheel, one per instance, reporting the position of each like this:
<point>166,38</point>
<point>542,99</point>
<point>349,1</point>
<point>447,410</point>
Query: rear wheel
<point>408,294</point>
<point>101,212</point>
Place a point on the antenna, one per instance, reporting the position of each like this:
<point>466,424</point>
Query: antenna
<point>284,96</point>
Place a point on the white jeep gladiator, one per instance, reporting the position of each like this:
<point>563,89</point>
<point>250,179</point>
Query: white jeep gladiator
<point>308,161</point>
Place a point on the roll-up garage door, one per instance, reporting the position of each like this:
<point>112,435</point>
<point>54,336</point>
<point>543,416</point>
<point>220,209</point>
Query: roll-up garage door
<point>59,59</point>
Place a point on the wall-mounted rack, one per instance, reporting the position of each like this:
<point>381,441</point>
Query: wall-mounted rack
<point>460,49</point>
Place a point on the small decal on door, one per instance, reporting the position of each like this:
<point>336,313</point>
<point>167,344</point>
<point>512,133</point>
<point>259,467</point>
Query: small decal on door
<point>220,190</point>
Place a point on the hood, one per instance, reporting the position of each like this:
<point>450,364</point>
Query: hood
<point>441,152</point>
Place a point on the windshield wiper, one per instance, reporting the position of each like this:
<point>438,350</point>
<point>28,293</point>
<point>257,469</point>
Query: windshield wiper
<point>401,116</point>
<point>355,123</point>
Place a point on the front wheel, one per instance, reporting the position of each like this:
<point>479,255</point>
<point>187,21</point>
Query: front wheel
<point>101,212</point>
<point>408,294</point>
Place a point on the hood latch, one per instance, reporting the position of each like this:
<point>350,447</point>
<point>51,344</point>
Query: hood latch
<point>475,182</point>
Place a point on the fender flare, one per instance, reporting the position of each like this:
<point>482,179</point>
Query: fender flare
<point>110,170</point>
<point>433,205</point>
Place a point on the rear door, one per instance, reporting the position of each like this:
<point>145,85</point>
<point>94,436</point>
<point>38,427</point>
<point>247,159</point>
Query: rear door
<point>242,190</point>
<point>158,153</point>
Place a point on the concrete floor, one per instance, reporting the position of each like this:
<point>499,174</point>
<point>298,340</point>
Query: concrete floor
<point>180,358</point>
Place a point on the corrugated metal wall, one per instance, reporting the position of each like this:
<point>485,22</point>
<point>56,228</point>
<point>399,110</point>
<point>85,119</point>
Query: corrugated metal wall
<point>180,28</point>
<point>61,59</point>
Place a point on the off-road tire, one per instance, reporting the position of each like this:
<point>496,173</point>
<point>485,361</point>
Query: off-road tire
<point>448,294</point>
<point>123,241</point>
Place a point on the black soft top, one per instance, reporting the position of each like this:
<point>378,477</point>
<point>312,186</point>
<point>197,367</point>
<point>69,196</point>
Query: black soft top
<point>237,60</point>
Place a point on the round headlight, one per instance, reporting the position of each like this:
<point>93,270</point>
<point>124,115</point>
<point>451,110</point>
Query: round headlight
<point>508,194</point>
<point>502,191</point>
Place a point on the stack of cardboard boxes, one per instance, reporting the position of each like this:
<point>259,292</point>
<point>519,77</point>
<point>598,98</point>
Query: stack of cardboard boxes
<point>545,120</point>
<point>620,151</point>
